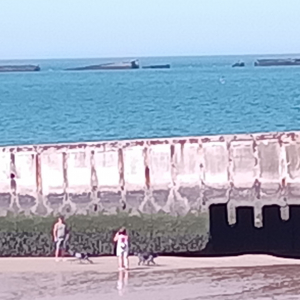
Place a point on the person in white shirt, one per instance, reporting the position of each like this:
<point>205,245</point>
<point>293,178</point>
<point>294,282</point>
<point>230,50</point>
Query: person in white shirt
<point>121,238</point>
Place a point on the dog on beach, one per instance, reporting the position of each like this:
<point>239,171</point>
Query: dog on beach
<point>81,257</point>
<point>146,258</point>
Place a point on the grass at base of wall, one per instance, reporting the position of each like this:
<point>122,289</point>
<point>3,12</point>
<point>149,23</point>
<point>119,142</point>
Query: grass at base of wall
<point>162,233</point>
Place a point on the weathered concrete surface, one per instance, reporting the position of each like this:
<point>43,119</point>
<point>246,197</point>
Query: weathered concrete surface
<point>161,189</point>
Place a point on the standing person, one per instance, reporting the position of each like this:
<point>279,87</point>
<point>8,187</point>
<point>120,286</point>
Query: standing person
<point>121,238</point>
<point>59,236</point>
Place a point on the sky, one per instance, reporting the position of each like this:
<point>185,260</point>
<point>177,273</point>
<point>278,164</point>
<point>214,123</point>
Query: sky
<point>32,29</point>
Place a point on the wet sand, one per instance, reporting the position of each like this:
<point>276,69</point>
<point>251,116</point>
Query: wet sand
<point>240,277</point>
<point>109,264</point>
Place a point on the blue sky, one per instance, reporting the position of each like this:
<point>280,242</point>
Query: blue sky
<point>123,28</point>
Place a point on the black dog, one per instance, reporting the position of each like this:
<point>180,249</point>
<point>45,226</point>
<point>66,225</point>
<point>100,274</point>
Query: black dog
<point>146,257</point>
<point>80,256</point>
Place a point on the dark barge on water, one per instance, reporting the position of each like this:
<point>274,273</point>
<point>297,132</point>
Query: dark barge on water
<point>277,62</point>
<point>134,64</point>
<point>166,66</point>
<point>19,68</point>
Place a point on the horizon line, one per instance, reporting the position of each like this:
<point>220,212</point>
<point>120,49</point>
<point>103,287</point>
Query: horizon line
<point>155,56</point>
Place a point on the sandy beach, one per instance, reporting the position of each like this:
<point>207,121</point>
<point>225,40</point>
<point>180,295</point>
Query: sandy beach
<point>216,278</point>
<point>109,264</point>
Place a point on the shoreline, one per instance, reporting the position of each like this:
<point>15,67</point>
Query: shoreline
<point>109,264</point>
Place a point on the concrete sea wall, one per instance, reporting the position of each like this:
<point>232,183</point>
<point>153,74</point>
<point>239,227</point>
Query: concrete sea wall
<point>160,189</point>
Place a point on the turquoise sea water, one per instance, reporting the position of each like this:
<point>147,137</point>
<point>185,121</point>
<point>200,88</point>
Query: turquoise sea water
<point>197,96</point>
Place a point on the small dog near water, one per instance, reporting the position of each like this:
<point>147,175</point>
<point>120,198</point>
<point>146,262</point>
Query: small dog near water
<point>81,257</point>
<point>146,258</point>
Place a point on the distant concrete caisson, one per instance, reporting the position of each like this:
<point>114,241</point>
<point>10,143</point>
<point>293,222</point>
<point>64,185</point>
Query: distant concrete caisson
<point>19,68</point>
<point>134,64</point>
<point>277,62</point>
<point>238,64</point>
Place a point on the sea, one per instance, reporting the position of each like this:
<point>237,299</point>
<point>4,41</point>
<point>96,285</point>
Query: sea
<point>196,96</point>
